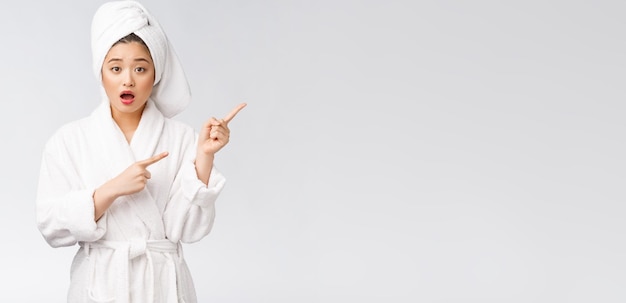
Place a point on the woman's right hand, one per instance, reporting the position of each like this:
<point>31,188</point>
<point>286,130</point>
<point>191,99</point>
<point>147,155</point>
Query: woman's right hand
<point>132,180</point>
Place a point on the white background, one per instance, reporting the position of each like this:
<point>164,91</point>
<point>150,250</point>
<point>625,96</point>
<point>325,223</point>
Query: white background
<point>391,151</point>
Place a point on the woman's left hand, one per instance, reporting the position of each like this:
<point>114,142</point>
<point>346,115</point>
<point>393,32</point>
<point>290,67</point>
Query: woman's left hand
<point>215,133</point>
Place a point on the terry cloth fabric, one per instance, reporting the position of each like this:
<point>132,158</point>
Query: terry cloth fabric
<point>117,19</point>
<point>127,258</point>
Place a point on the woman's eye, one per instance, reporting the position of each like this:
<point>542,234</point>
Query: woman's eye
<point>140,69</point>
<point>115,68</point>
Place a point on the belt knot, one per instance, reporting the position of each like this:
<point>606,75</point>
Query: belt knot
<point>137,247</point>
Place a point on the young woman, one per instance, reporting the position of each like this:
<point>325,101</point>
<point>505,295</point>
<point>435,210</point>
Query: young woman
<point>127,183</point>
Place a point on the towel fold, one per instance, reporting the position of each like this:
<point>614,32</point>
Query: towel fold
<point>117,19</point>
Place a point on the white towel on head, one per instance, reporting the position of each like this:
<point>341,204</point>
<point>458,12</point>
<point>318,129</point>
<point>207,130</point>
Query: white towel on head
<point>117,19</point>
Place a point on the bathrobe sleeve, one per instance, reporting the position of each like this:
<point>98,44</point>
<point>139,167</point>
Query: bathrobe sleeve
<point>190,212</point>
<point>64,208</point>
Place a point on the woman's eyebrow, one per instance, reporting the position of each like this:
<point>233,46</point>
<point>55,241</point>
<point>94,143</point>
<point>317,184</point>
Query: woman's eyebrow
<point>136,59</point>
<point>114,59</point>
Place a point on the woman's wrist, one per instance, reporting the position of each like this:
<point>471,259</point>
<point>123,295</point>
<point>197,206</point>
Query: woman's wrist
<point>204,165</point>
<point>204,159</point>
<point>103,197</point>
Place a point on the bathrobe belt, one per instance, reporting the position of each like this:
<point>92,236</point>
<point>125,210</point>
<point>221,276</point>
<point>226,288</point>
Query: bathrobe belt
<point>124,251</point>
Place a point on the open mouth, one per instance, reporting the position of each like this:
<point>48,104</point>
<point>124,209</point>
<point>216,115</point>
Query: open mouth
<point>127,97</point>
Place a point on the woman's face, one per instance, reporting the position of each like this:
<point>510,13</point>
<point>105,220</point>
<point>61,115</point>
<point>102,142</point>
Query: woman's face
<point>128,77</point>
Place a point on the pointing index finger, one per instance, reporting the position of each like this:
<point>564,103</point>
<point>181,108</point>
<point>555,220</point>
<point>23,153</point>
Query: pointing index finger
<point>234,112</point>
<point>153,159</point>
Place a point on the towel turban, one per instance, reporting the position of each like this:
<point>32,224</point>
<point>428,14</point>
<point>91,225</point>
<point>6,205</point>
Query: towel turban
<point>117,19</point>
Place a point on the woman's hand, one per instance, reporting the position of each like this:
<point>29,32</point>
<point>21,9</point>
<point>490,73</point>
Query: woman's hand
<point>215,134</point>
<point>132,180</point>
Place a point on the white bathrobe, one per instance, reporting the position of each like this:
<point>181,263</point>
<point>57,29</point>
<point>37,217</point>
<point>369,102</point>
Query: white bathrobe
<point>133,253</point>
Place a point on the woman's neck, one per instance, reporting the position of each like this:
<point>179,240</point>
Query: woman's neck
<point>127,122</point>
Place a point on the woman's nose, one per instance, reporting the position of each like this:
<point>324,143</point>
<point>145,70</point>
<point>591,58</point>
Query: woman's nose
<point>128,81</point>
